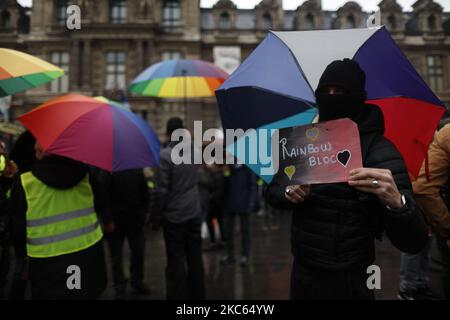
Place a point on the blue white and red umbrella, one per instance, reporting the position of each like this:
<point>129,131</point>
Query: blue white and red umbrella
<point>278,80</point>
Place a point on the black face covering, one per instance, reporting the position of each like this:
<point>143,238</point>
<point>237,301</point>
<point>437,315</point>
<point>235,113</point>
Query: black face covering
<point>350,78</point>
<point>337,106</point>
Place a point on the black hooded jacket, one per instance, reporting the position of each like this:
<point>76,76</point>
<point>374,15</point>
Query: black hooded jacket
<point>129,196</point>
<point>335,227</point>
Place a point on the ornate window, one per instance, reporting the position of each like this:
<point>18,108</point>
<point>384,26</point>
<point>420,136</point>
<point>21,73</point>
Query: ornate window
<point>117,11</point>
<point>435,72</point>
<point>267,21</point>
<point>224,21</point>
<point>62,60</point>
<point>392,22</point>
<point>431,23</point>
<point>5,20</point>
<point>171,14</point>
<point>309,22</point>
<point>61,11</point>
<point>350,22</point>
<point>115,70</point>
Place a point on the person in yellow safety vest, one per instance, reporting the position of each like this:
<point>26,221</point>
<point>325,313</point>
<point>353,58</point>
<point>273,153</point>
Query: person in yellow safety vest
<point>56,205</point>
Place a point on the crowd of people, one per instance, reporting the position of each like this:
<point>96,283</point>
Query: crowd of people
<point>44,195</point>
<point>56,212</point>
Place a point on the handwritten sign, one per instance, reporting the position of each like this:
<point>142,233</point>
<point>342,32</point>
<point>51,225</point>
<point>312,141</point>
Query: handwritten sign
<point>319,153</point>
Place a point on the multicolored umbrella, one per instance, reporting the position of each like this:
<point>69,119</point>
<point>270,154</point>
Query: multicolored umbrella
<point>279,78</point>
<point>20,71</point>
<point>179,79</point>
<point>94,132</point>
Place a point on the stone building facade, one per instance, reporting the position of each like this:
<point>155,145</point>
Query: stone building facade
<point>120,38</point>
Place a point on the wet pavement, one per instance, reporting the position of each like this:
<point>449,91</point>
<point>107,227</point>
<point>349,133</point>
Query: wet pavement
<point>268,273</point>
<point>267,276</point>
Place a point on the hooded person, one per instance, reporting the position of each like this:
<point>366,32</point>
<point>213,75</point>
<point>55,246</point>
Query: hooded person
<point>334,225</point>
<point>56,204</point>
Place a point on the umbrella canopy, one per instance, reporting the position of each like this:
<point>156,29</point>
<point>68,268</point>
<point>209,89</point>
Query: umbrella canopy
<point>266,89</point>
<point>20,71</point>
<point>113,103</point>
<point>94,132</point>
<point>179,79</point>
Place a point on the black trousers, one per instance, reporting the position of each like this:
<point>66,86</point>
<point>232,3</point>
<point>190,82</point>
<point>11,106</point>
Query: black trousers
<point>4,267</point>
<point>49,277</point>
<point>184,271</point>
<point>136,242</point>
<point>311,284</point>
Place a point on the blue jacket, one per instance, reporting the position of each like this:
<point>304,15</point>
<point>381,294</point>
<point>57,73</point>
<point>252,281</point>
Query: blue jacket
<point>240,190</point>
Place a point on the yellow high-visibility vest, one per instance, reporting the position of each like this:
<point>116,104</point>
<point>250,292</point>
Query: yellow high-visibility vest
<point>59,221</point>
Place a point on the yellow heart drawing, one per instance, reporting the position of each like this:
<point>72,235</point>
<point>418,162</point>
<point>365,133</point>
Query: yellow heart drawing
<point>312,133</point>
<point>289,171</point>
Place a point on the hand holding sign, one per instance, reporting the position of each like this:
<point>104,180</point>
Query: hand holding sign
<point>319,153</point>
<point>385,189</point>
<point>296,194</point>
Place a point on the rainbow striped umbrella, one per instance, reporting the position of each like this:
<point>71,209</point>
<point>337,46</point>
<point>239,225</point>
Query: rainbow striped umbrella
<point>94,132</point>
<point>179,79</point>
<point>20,71</point>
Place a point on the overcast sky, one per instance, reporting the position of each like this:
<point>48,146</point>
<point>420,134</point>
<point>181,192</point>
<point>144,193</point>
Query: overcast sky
<point>368,5</point>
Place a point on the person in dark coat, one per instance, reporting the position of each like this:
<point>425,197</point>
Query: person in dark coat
<point>49,275</point>
<point>7,170</point>
<point>239,201</point>
<point>334,225</point>
<point>23,154</point>
<point>130,213</point>
<point>177,209</point>
<point>216,203</point>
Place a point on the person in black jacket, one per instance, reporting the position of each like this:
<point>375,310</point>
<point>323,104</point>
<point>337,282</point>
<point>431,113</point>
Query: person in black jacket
<point>334,225</point>
<point>211,190</point>
<point>130,213</point>
<point>7,170</point>
<point>23,154</point>
<point>239,201</point>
